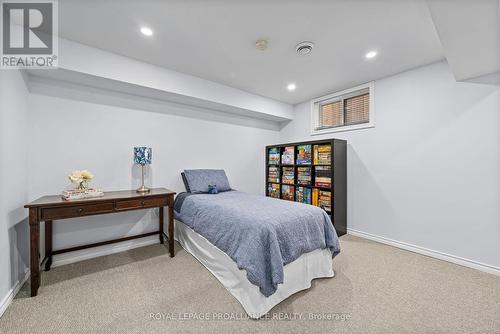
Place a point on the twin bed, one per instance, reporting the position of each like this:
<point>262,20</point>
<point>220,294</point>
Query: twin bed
<point>261,249</point>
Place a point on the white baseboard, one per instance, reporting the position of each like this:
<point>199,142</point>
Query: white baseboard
<point>90,253</point>
<point>7,300</point>
<point>428,252</point>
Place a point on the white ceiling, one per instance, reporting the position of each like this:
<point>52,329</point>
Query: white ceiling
<point>470,34</point>
<point>215,39</point>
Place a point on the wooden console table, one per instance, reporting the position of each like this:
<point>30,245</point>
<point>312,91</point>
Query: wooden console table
<point>49,208</point>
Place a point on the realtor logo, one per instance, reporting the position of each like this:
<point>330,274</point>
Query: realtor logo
<point>29,34</point>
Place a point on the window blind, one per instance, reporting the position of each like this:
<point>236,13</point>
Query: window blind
<point>357,109</point>
<point>331,114</point>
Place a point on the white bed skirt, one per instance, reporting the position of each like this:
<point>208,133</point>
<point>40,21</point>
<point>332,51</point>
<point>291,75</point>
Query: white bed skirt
<point>297,275</point>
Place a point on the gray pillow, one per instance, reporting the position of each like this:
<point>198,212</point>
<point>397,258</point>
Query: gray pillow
<point>186,185</point>
<point>199,179</point>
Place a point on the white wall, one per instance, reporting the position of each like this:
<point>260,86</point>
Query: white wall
<point>68,134</point>
<point>428,174</point>
<point>14,240</point>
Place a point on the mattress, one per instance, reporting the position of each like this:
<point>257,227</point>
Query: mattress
<point>297,274</point>
<point>259,233</point>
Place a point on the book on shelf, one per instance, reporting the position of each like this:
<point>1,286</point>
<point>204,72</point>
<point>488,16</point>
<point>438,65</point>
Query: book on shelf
<point>325,200</point>
<point>306,173</point>
<point>304,176</point>
<point>303,154</point>
<point>273,190</point>
<point>303,195</point>
<point>287,192</point>
<point>288,156</point>
<point>315,197</point>
<point>323,176</point>
<point>274,156</point>
<point>322,154</point>
<point>322,198</point>
<point>273,174</point>
<point>288,175</point>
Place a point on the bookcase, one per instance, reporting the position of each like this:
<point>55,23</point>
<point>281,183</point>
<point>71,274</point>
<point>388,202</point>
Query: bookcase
<point>311,172</point>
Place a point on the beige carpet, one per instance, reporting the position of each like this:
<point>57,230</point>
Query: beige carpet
<point>377,289</point>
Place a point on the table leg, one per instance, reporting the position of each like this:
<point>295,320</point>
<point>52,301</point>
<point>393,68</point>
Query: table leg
<point>161,225</point>
<point>48,244</point>
<point>34,241</point>
<point>171,230</point>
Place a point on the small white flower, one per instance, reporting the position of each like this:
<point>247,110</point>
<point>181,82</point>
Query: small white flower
<point>79,176</point>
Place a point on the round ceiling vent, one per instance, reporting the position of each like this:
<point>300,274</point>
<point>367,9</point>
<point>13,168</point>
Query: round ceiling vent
<point>304,48</point>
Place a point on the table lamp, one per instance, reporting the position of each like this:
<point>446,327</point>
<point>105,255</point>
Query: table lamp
<point>142,156</point>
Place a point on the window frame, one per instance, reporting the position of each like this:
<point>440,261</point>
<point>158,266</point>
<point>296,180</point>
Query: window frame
<point>342,95</point>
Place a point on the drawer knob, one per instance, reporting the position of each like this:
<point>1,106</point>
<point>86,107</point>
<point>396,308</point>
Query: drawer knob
<point>143,203</point>
<point>80,210</point>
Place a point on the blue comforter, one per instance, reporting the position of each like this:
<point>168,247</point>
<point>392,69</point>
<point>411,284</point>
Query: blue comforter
<point>261,234</point>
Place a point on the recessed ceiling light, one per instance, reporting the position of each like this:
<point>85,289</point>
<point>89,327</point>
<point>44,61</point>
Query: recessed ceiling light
<point>370,54</point>
<point>291,87</point>
<point>146,31</point>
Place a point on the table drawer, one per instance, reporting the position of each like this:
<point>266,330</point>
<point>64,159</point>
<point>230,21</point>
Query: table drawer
<point>141,203</point>
<point>76,211</point>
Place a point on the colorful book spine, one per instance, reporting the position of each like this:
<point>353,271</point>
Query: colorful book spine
<point>322,198</point>
<point>315,197</point>
<point>274,156</point>
<point>304,176</point>
<point>287,192</point>
<point>303,195</point>
<point>273,190</point>
<point>322,154</point>
<point>288,175</point>
<point>288,156</point>
<point>273,174</point>
<point>303,154</point>
<point>323,176</point>
<point>325,200</point>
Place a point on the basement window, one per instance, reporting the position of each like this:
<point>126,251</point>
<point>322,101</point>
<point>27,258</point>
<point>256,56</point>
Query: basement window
<point>350,109</point>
